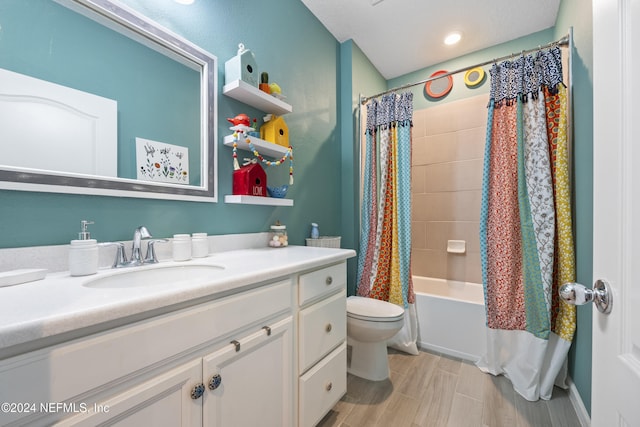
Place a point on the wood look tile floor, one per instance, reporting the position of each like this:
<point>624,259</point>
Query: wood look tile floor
<point>434,390</point>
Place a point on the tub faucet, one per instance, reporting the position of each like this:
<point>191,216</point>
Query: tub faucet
<point>136,253</point>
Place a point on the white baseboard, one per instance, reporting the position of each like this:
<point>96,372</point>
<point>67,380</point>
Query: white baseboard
<point>578,405</point>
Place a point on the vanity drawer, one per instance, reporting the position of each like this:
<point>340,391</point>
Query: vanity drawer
<point>323,386</point>
<point>322,282</point>
<point>323,326</point>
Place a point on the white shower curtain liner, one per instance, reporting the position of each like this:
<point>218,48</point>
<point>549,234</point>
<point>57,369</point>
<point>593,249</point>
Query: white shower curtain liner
<point>533,365</point>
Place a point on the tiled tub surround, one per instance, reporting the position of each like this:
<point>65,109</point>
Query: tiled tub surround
<point>446,181</point>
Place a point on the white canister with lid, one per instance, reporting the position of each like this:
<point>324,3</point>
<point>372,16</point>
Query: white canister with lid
<point>181,247</point>
<point>199,245</point>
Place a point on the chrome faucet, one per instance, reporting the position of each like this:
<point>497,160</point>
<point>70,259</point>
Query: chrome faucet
<point>136,254</point>
<point>139,234</point>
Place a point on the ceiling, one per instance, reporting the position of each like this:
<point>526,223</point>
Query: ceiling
<point>401,36</point>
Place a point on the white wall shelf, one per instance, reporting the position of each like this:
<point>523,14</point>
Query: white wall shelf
<point>247,94</point>
<point>257,200</point>
<point>265,148</point>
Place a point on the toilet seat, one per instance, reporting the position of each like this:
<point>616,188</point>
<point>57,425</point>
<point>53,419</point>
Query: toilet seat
<point>373,310</point>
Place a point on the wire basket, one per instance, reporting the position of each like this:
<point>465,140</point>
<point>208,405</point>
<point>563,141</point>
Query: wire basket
<point>325,242</point>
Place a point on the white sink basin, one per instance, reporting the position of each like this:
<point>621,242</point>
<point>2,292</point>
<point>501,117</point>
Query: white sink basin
<point>175,275</point>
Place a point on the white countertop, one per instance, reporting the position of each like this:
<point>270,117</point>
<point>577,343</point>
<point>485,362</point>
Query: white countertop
<point>60,304</point>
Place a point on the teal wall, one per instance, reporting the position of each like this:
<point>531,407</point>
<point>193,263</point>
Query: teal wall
<point>573,13</point>
<point>300,55</point>
<point>348,154</point>
<point>358,77</point>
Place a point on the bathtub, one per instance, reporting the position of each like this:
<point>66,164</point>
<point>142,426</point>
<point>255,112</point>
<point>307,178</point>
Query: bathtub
<point>451,317</point>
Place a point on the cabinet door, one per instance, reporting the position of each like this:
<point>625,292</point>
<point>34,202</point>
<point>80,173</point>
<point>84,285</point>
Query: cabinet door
<point>255,380</point>
<point>163,401</point>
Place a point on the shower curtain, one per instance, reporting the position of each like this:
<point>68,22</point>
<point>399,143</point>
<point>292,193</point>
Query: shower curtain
<point>525,225</point>
<point>384,261</point>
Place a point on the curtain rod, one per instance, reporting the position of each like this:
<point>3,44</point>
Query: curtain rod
<point>564,41</point>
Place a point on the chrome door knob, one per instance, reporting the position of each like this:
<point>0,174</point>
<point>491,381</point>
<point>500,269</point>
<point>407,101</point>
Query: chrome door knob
<point>577,294</point>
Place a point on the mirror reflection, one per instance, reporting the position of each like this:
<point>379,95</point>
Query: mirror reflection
<point>99,105</point>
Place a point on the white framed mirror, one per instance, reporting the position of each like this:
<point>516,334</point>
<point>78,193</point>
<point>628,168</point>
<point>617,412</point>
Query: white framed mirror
<point>97,99</point>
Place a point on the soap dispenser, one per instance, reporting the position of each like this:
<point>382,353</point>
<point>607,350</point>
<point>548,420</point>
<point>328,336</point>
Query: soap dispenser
<point>83,253</point>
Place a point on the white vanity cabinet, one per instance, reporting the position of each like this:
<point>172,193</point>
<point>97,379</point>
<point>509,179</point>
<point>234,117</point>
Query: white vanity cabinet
<point>156,372</point>
<point>273,354</point>
<point>251,371</point>
<point>322,350</point>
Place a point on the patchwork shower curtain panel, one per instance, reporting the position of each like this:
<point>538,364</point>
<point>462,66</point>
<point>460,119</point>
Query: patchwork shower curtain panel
<point>525,225</point>
<point>384,261</point>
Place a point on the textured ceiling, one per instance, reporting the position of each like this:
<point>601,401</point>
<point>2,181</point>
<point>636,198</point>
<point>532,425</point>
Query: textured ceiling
<point>401,36</point>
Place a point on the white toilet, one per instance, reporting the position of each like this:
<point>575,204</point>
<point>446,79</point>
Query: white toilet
<point>370,323</point>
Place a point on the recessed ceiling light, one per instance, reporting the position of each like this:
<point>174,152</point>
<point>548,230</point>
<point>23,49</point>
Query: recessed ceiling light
<point>184,1</point>
<point>452,38</point>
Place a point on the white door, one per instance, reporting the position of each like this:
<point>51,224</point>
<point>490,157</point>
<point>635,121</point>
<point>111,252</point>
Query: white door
<point>616,235</point>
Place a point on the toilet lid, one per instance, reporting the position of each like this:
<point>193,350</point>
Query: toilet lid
<point>371,308</point>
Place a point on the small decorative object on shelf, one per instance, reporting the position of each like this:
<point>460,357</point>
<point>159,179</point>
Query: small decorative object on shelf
<point>276,90</point>
<point>240,119</point>
<point>240,131</point>
<point>254,133</point>
<point>240,126</point>
<point>242,67</point>
<point>278,236</point>
<point>275,130</point>
<point>264,82</point>
<point>250,180</point>
<point>278,192</point>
